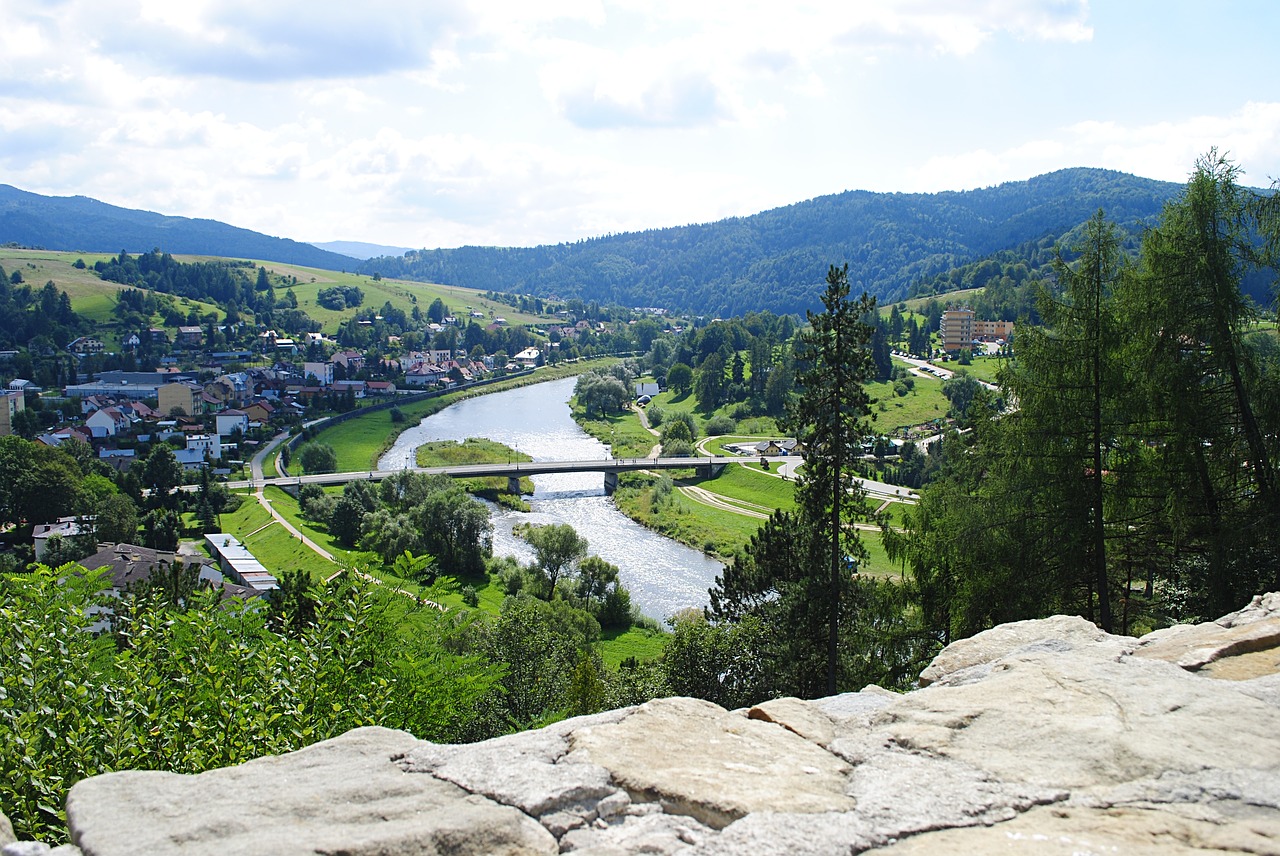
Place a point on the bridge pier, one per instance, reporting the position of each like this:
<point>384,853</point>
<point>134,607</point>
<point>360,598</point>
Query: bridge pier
<point>610,483</point>
<point>513,485</point>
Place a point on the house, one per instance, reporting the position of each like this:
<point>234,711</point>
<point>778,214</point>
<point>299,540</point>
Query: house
<point>439,355</point>
<point>356,387</point>
<point>260,411</point>
<point>322,372</point>
<point>128,567</point>
<point>190,337</point>
<point>12,402</point>
<point>157,335</point>
<point>379,387</point>
<point>352,361</point>
<point>229,421</point>
<point>118,459</point>
<point>650,389</point>
<point>774,448</point>
<point>181,396</point>
<point>209,445</point>
<point>131,342</point>
<point>64,527</point>
<point>528,358</point>
<point>85,345</point>
<point>424,374</point>
<point>111,420</point>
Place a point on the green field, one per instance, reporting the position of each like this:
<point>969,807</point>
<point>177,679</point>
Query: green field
<point>890,411</point>
<point>91,297</point>
<point>982,368</point>
<point>748,484</point>
<point>401,294</point>
<point>94,298</point>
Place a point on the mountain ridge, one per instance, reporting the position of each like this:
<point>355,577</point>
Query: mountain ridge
<point>777,259</point>
<point>81,223</point>
<point>773,260</point>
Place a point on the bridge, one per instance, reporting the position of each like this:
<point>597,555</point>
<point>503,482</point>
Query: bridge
<point>513,471</point>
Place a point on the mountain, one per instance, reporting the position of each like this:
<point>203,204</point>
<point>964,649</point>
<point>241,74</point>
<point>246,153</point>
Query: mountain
<point>359,249</point>
<point>778,259</point>
<point>80,223</point>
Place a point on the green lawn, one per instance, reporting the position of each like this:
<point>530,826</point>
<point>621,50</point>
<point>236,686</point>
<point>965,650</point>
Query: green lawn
<point>639,642</point>
<point>745,482</point>
<point>91,297</point>
<point>275,548</point>
<point>982,368</point>
<point>890,411</point>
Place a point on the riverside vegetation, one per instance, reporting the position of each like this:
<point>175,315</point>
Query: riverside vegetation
<point>1128,477</point>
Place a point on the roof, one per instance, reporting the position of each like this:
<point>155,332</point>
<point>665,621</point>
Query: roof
<point>129,565</point>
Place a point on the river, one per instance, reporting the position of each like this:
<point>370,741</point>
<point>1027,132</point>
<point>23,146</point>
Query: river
<point>662,575</point>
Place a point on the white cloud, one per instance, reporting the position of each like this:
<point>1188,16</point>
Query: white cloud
<point>1162,150</point>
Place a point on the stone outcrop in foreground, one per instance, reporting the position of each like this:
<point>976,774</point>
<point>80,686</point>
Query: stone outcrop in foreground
<point>1037,737</point>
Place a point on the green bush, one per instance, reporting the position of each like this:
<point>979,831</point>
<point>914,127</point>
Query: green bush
<point>205,687</point>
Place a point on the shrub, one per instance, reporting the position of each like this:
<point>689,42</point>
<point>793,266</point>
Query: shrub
<point>721,425</point>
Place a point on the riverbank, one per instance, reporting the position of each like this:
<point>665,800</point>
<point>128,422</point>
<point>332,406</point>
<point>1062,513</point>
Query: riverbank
<point>360,441</point>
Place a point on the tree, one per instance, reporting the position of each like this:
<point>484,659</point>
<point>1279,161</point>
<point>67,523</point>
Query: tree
<point>710,385</point>
<point>116,520</point>
<point>795,575</point>
<point>829,421</point>
<point>162,474</point>
<point>1200,388</point>
<point>318,458</point>
<point>679,377</point>
<point>558,548</point>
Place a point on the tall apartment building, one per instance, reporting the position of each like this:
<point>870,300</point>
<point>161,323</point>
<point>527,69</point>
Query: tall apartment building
<point>12,403</point>
<point>960,329</point>
<point>956,329</point>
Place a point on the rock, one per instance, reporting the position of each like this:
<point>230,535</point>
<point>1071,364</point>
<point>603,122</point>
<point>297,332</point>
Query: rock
<point>1039,737</point>
<point>6,830</point>
<point>26,848</point>
<point>797,716</point>
<point>1239,646</point>
<point>529,771</point>
<point>1061,831</point>
<point>651,833</point>
<point>1071,722</point>
<point>698,759</point>
<point>1060,633</point>
<point>343,795</point>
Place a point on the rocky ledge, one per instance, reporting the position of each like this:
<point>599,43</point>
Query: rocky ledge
<point>1038,737</point>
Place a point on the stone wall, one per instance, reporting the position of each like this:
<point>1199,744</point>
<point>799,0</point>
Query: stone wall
<point>1037,737</point>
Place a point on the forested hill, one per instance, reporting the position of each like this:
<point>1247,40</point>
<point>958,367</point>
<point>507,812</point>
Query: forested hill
<point>80,223</point>
<point>778,259</point>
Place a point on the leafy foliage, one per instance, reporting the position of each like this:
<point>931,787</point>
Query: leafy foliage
<point>206,687</point>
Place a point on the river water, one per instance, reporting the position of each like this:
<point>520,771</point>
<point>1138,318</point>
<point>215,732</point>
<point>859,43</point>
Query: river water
<point>662,575</point>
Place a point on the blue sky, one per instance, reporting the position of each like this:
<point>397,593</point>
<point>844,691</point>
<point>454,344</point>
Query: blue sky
<point>427,124</point>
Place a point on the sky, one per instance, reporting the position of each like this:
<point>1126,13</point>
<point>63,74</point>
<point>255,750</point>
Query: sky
<point>520,122</point>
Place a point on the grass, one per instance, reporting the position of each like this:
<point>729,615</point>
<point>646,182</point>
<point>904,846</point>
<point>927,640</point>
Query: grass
<point>923,402</point>
<point>474,450</point>
<point>401,294</point>
<point>621,431</point>
<point>643,643</point>
<point>982,368</point>
<point>91,297</point>
<point>270,543</point>
<point>742,483</point>
<point>711,530</point>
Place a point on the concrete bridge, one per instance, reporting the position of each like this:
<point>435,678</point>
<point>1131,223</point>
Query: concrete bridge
<point>514,471</point>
